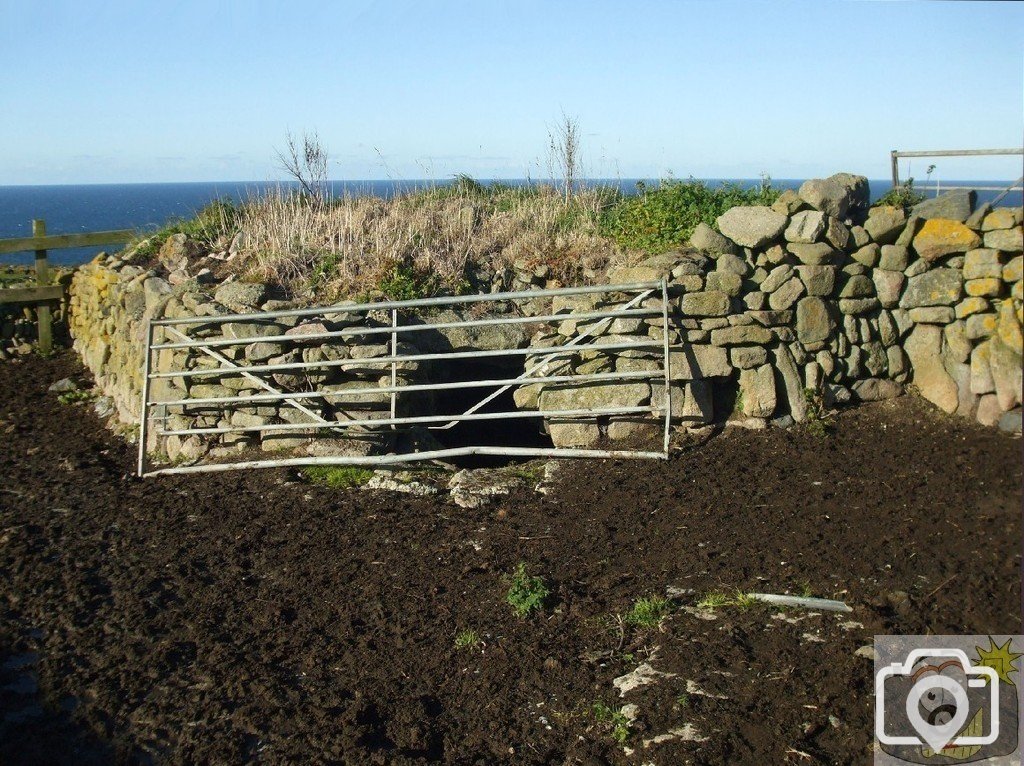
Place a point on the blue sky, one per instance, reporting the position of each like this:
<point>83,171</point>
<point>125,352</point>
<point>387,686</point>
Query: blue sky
<point>191,91</point>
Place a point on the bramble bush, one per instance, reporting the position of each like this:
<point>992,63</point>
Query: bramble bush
<point>664,217</point>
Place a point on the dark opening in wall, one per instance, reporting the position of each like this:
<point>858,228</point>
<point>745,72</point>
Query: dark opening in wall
<point>506,432</point>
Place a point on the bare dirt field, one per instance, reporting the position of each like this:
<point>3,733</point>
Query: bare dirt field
<point>253,617</point>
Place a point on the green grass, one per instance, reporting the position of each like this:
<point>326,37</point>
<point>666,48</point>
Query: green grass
<point>209,224</point>
<point>526,593</point>
<point>664,217</point>
<point>467,639</point>
<point>613,719</point>
<point>338,476</point>
<point>647,612</point>
<point>717,600</point>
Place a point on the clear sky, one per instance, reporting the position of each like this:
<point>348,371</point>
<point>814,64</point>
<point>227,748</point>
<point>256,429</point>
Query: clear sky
<point>114,91</point>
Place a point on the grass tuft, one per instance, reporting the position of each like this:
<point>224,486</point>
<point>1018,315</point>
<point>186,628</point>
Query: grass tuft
<point>647,612</point>
<point>716,600</point>
<point>338,476</point>
<point>467,639</point>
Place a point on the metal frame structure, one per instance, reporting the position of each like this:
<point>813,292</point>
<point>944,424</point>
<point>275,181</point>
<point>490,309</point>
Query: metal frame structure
<point>175,336</point>
<point>894,157</point>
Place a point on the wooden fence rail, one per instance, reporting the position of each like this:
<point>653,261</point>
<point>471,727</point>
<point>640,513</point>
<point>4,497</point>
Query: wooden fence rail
<point>44,294</point>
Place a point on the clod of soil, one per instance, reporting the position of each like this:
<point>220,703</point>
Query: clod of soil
<point>256,618</point>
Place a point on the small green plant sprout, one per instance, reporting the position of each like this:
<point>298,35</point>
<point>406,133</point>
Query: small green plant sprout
<point>683,700</point>
<point>338,476</point>
<point>71,397</point>
<point>467,639</point>
<point>612,719</point>
<point>647,612</point>
<point>805,590</point>
<point>526,593</point>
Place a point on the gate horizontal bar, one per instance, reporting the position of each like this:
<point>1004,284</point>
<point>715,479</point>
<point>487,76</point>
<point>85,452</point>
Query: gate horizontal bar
<point>417,303</point>
<point>386,360</point>
<point>959,153</point>
<point>553,414</point>
<point>255,398</point>
<point>412,457</point>
<point>353,331</point>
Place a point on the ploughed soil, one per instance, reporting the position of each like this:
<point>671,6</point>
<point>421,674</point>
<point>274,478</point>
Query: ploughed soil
<point>253,617</point>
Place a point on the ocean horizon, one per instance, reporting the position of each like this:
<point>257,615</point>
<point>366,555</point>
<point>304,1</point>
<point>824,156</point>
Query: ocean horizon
<point>73,208</point>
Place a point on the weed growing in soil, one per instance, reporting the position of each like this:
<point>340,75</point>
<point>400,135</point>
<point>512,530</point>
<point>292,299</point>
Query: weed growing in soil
<point>72,397</point>
<point>648,612</point>
<point>467,639</point>
<point>614,720</point>
<point>526,593</point>
<point>338,476</point>
<point>819,422</point>
<point>716,600</point>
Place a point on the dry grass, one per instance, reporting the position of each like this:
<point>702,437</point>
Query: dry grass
<point>441,239</point>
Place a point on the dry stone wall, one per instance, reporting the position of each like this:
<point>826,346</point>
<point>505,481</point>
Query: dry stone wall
<point>819,296</point>
<point>816,299</point>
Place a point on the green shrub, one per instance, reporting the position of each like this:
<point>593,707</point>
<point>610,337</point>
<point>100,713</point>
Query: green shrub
<point>665,217</point>
<point>526,593</point>
<point>402,283</point>
<point>338,476</point>
<point>903,196</point>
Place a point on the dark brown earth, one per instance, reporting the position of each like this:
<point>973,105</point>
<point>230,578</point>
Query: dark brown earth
<point>251,617</point>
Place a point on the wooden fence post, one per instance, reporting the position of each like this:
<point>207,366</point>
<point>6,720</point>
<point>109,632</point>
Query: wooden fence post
<point>42,280</point>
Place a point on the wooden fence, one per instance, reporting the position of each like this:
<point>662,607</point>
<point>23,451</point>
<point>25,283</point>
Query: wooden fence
<point>44,294</point>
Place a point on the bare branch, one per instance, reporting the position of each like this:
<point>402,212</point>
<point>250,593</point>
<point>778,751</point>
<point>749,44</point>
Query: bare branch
<point>308,164</point>
<point>564,153</point>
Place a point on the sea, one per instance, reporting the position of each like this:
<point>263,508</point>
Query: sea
<point>146,207</point>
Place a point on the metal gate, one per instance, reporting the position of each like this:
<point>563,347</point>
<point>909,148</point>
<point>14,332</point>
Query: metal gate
<point>296,350</point>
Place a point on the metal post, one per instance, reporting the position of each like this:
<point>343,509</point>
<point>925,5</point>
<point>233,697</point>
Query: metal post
<point>895,162</point>
<point>667,364</point>
<point>42,280</point>
<point>144,417</point>
<point>394,364</point>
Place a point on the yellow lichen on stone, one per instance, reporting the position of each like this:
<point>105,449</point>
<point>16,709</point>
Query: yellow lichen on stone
<point>939,237</point>
<point>989,287</point>
<point>968,306</point>
<point>1014,270</point>
<point>1000,218</point>
<point>1009,327</point>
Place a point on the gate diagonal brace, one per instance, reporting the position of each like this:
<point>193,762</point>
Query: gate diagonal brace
<point>541,364</point>
<point>249,376</point>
